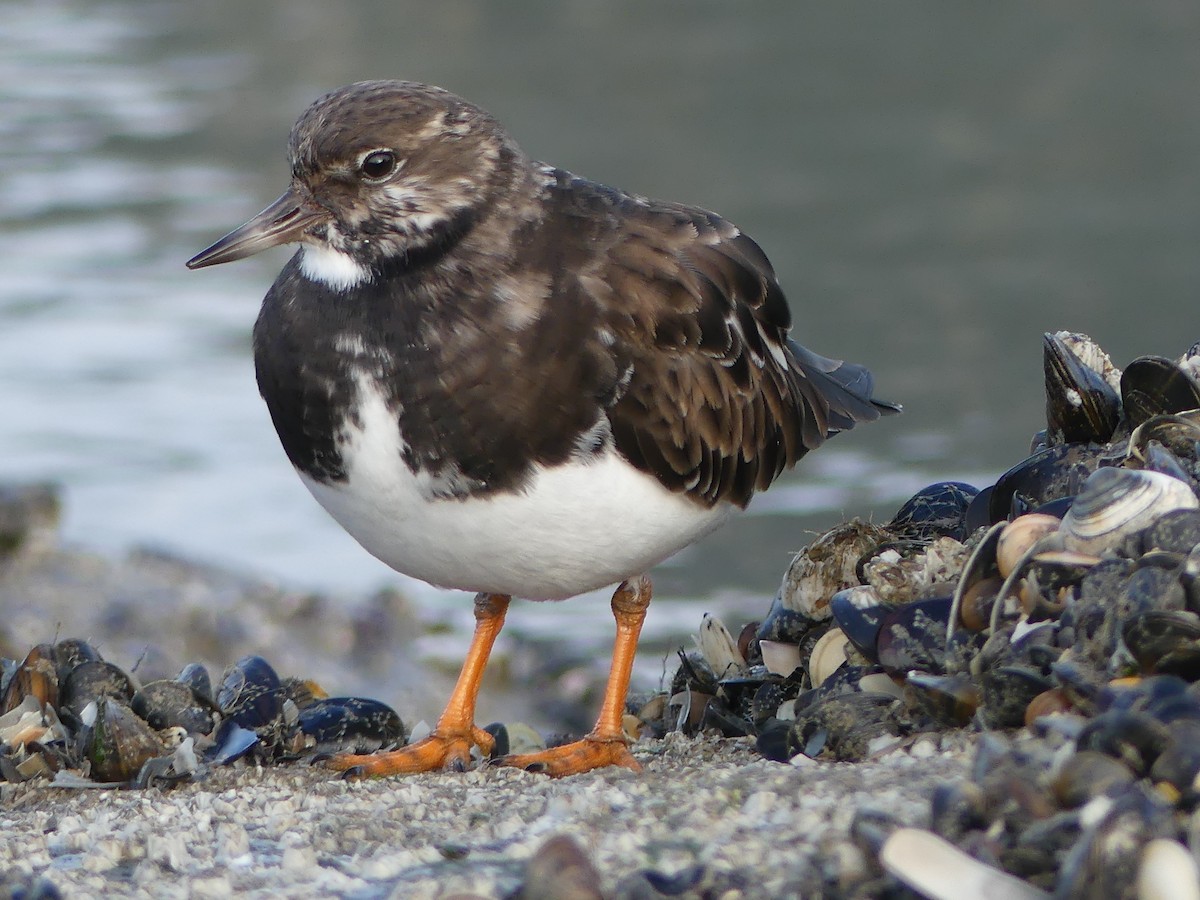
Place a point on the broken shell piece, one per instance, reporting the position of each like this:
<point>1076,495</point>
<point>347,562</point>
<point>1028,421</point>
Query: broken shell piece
<point>30,722</point>
<point>939,870</point>
<point>780,658</point>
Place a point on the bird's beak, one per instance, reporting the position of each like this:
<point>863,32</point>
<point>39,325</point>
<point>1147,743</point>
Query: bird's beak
<point>283,222</point>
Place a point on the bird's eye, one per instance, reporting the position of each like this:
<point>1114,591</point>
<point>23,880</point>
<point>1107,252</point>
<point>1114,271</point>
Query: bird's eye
<point>378,164</point>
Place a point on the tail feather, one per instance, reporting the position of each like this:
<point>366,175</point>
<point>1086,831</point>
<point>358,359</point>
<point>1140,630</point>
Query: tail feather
<point>845,387</point>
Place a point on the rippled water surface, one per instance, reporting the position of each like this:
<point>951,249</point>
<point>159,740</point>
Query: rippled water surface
<point>937,185</point>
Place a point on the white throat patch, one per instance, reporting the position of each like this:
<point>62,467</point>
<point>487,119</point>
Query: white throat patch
<point>332,268</point>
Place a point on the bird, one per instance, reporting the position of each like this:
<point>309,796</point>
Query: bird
<point>503,378</point>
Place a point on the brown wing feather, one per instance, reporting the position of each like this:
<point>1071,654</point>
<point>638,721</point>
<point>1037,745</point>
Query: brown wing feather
<point>719,401</point>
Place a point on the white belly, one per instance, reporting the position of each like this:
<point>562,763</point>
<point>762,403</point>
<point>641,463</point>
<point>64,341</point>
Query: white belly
<point>575,528</point>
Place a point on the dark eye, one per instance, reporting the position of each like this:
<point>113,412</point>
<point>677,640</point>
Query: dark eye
<point>378,164</point>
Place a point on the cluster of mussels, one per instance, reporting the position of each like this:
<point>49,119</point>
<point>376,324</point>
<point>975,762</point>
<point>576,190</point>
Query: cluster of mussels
<point>1065,597</point>
<point>67,713</point>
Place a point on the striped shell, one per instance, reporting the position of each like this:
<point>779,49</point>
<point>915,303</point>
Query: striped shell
<point>1115,504</point>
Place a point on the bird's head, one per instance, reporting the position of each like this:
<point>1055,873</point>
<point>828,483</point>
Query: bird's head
<point>383,174</point>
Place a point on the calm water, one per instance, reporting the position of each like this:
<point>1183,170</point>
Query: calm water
<point>937,185</point>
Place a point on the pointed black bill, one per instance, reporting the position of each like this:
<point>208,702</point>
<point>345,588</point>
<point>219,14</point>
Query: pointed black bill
<point>283,222</point>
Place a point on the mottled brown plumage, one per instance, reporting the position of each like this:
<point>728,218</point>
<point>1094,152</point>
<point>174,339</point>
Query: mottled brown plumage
<point>520,315</point>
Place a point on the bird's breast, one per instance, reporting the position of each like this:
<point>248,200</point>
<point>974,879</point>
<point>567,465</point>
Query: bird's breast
<point>569,528</point>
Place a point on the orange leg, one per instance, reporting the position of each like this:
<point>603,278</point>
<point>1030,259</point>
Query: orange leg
<point>449,745</point>
<point>605,744</point>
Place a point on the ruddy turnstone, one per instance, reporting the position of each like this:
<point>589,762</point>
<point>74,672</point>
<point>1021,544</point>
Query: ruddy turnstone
<point>503,378</point>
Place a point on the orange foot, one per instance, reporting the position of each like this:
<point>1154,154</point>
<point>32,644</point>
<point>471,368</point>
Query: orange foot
<point>440,750</point>
<point>571,759</point>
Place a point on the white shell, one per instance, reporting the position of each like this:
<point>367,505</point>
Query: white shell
<point>1116,503</point>
<point>827,566</point>
<point>1167,872</point>
<point>940,871</point>
<point>780,658</point>
<point>718,647</point>
<point>828,654</point>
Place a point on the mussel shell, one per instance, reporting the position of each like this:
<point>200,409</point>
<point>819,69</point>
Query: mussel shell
<point>1135,738</point>
<point>1081,405</point>
<point>948,699</point>
<point>841,727</point>
<point>782,624</point>
<point>196,676</point>
<point>694,674</point>
<point>859,614</point>
<point>827,656</point>
<point>35,676</point>
<point>1154,385</point>
<point>826,566</point>
<point>980,566</point>
<point>167,704</point>
<point>1177,435</point>
<point>1090,774</point>
<point>118,743</point>
<point>1179,762</point>
<point>251,693</point>
<point>1154,457</point>
<point>1153,634</point>
<point>913,636</point>
<point>1019,536</point>
<point>1047,475</point>
<point>1114,504</point>
<point>1007,692</point>
<point>956,808</point>
<point>92,680</point>
<point>937,510</point>
<point>351,724</point>
<point>231,742</point>
<point>70,653</point>
<point>1177,531</point>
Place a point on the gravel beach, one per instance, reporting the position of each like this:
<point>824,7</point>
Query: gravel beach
<point>706,818</point>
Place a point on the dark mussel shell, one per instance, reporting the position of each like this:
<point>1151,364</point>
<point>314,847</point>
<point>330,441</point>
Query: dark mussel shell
<point>1175,434</point>
<point>1081,406</point>
<point>1047,475</point>
<point>118,743</point>
<point>1177,531</point>
<point>842,726</point>
<point>195,676</point>
<point>948,699</point>
<point>859,614</point>
<point>251,693</point>
<point>1007,693</point>
<point>70,653</point>
<point>167,704</point>
<point>1165,641</point>
<point>1135,738</point>
<point>938,510</point>
<point>231,742</point>
<point>1154,385</point>
<point>352,724</point>
<point>913,636</point>
<point>783,624</point>
<point>91,680</point>
<point>1179,762</point>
